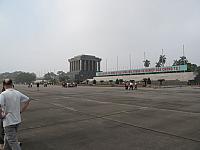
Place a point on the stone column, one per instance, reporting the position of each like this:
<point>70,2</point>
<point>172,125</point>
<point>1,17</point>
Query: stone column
<point>98,63</point>
<point>92,65</point>
<point>95,66</point>
<point>73,65</point>
<point>85,65</point>
<point>80,65</point>
<point>91,69</point>
<point>88,65</point>
<point>76,65</point>
<point>70,66</point>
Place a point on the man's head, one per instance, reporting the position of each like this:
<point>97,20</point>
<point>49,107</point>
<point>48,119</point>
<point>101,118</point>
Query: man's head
<point>7,83</point>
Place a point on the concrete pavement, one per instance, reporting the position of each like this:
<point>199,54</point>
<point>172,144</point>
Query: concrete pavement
<point>100,118</point>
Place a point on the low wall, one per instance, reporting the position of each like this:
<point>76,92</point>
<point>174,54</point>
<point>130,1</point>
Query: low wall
<point>182,76</point>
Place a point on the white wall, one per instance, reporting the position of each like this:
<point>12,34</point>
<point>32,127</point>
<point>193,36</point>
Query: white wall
<point>183,76</point>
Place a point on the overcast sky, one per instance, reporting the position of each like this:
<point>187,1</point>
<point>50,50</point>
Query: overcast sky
<point>41,35</point>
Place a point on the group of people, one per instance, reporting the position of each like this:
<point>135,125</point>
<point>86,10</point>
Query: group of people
<point>12,104</point>
<point>130,85</point>
<point>67,85</point>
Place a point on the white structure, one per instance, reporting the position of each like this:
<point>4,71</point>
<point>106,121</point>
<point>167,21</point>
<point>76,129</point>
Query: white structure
<point>182,76</point>
<point>168,73</point>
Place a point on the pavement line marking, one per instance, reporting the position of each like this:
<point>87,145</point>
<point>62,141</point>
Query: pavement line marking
<point>152,130</point>
<point>90,100</point>
<point>106,117</point>
<point>65,97</point>
<point>141,107</point>
<point>138,106</point>
<point>59,105</point>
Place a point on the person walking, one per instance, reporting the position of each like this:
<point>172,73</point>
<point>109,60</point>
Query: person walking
<point>13,103</point>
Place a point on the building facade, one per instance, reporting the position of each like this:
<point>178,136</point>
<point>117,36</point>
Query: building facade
<point>84,67</point>
<point>168,73</point>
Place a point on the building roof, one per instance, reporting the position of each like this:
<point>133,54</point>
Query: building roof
<point>84,57</point>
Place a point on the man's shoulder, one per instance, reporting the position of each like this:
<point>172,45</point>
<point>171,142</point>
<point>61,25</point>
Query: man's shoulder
<point>3,92</point>
<point>11,91</point>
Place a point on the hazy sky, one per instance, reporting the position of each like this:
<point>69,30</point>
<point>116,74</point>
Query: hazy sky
<point>41,35</point>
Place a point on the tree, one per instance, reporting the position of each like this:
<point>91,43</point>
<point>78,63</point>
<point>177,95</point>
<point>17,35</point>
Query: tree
<point>162,60</point>
<point>191,67</point>
<point>117,81</point>
<point>197,71</point>
<point>182,61</point>
<point>148,81</point>
<point>51,77</point>
<point>25,77</point>
<point>176,63</point>
<point>121,81</point>
<point>158,64</point>
<point>197,78</point>
<point>145,82</point>
<point>10,75</point>
<point>110,81</point>
<point>62,76</point>
<point>146,63</point>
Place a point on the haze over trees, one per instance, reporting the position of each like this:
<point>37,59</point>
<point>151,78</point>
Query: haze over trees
<point>184,61</point>
<point>61,76</point>
<point>19,77</point>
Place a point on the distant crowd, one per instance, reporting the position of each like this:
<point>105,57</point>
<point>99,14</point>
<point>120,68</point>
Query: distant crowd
<point>130,85</point>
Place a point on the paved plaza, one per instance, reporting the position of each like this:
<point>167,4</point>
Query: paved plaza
<point>110,118</point>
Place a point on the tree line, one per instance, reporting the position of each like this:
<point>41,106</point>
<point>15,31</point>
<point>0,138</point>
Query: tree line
<point>181,61</point>
<point>61,76</point>
<point>19,77</point>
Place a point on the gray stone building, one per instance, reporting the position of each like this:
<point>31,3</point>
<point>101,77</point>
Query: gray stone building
<point>83,67</point>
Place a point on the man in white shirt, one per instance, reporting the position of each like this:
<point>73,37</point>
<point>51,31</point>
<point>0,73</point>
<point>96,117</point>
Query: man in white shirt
<point>10,101</point>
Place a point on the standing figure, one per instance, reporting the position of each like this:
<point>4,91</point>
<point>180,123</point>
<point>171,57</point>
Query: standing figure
<point>131,86</point>
<point>38,85</point>
<point>135,86</point>
<point>13,103</point>
<point>1,129</point>
<point>126,85</point>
